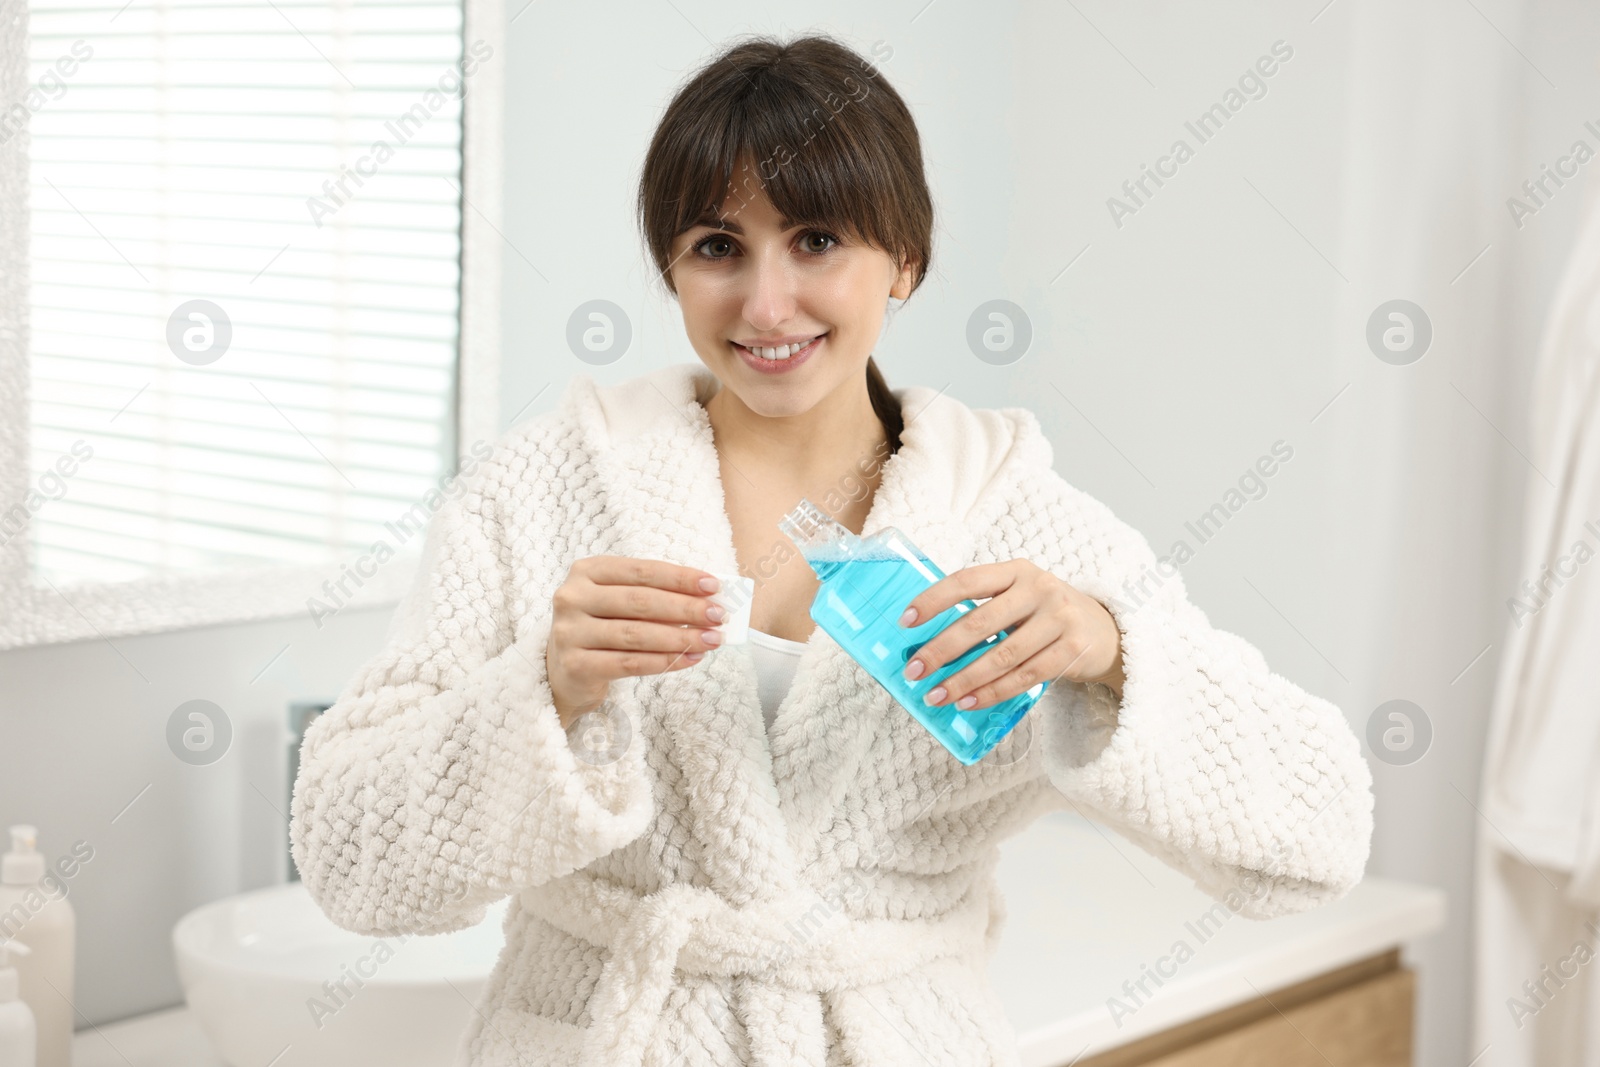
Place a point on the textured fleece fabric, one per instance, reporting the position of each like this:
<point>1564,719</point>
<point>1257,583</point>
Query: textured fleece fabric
<point>693,889</point>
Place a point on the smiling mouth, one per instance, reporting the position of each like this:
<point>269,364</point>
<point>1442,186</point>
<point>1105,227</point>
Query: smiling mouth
<point>780,353</point>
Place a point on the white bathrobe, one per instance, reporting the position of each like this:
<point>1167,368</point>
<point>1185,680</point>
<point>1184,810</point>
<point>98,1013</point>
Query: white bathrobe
<point>1537,907</point>
<point>700,892</point>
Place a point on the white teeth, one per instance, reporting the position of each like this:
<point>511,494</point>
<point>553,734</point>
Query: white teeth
<point>782,351</point>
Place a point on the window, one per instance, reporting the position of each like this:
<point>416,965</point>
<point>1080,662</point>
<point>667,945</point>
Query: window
<point>246,292</point>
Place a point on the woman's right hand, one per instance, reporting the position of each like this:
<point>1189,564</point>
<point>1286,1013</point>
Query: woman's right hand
<point>616,616</point>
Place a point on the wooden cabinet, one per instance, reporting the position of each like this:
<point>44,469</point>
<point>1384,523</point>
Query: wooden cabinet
<point>1359,1015</point>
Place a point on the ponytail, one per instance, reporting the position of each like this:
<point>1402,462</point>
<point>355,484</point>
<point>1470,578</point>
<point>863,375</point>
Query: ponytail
<point>885,406</point>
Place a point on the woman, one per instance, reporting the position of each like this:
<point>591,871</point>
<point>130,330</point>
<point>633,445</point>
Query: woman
<point>552,720</point>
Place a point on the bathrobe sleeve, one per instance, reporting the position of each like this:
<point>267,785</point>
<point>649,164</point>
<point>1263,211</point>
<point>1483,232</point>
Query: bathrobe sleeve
<point>1210,761</point>
<point>441,779</point>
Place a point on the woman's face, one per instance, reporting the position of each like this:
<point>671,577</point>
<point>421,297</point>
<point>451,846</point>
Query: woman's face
<point>753,278</point>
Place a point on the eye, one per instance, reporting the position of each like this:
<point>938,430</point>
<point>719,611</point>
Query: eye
<point>699,247</point>
<point>819,233</point>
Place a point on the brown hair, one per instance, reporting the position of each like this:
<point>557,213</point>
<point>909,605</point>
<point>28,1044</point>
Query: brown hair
<point>836,146</point>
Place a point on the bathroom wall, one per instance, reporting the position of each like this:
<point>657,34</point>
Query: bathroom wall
<point>1223,316</point>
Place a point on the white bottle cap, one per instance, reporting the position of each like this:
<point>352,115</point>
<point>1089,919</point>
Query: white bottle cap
<point>735,596</point>
<point>23,865</point>
<point>9,983</point>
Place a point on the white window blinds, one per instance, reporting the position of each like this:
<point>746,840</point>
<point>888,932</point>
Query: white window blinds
<point>245,278</point>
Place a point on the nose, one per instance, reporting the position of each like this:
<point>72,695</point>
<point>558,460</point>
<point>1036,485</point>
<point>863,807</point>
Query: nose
<point>770,297</point>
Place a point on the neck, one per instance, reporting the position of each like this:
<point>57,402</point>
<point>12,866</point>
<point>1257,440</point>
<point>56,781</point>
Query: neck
<point>839,432</point>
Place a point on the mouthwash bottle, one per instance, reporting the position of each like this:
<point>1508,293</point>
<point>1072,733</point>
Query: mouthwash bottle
<point>867,582</point>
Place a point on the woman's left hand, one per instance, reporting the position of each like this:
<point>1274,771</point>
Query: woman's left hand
<point>1053,631</point>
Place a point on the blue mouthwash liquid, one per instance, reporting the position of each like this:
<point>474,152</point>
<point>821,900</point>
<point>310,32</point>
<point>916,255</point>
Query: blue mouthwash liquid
<point>867,582</point>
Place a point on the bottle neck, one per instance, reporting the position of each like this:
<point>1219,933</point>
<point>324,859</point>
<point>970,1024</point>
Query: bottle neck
<point>813,531</point>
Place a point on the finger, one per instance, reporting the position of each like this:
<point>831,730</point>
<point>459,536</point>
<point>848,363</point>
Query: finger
<point>641,635</point>
<point>656,573</point>
<point>988,618</point>
<point>998,666</point>
<point>970,583</point>
<point>627,601</point>
<point>1033,670</point>
<point>1040,667</point>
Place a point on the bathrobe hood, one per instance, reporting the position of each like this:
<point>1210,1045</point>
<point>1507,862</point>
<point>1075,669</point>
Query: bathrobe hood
<point>951,457</point>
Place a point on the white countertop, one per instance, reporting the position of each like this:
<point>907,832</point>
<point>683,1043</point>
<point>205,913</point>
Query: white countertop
<point>1086,911</point>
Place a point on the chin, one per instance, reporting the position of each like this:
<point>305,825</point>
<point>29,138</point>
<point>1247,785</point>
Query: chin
<point>786,403</point>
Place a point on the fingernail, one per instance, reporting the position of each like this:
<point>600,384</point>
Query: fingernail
<point>935,695</point>
<point>909,617</point>
<point>712,637</point>
<point>715,613</point>
<point>710,585</point>
<point>695,657</point>
<point>966,702</point>
<point>914,669</point>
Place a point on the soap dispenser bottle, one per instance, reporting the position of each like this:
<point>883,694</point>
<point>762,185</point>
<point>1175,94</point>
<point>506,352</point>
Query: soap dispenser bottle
<point>39,916</point>
<point>18,1034</point>
<point>866,584</point>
